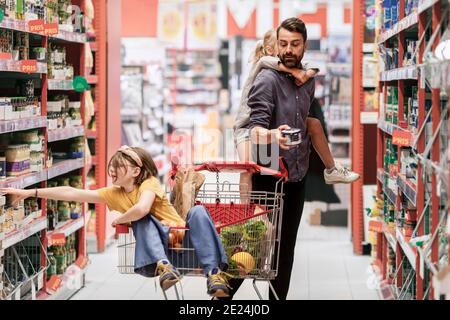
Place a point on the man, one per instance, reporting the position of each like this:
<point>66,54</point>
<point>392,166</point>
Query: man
<point>277,103</point>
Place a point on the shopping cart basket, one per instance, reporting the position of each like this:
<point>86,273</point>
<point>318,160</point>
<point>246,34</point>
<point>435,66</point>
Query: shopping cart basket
<point>248,222</point>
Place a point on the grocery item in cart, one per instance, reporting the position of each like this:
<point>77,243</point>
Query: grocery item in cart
<point>187,186</point>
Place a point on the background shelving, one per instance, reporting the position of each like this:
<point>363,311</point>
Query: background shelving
<point>24,230</point>
<point>412,152</point>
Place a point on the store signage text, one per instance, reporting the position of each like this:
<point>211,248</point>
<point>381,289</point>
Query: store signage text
<point>401,138</point>
<point>36,26</point>
<point>51,29</point>
<point>28,66</point>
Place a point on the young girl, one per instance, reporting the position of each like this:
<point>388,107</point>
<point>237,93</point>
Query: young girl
<point>137,194</point>
<point>266,57</point>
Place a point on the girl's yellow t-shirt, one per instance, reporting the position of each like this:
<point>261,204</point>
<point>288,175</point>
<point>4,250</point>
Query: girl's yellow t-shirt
<point>119,200</point>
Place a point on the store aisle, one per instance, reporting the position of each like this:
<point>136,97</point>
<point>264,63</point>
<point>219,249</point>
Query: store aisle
<point>324,268</point>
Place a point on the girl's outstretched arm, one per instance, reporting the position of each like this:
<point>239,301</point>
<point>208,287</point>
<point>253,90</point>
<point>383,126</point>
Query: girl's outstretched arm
<point>57,193</point>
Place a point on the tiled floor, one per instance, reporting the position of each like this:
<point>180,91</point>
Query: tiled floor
<point>324,268</point>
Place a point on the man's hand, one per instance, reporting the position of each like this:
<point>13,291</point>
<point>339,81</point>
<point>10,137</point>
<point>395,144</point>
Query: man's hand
<point>279,137</point>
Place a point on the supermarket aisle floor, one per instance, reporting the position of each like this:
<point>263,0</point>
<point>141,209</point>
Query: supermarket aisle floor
<point>324,268</point>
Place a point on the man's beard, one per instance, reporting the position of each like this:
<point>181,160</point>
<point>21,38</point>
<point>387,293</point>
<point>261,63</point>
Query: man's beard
<point>291,60</point>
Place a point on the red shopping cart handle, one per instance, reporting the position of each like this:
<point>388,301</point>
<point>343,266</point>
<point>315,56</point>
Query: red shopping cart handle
<point>251,167</point>
<point>122,228</point>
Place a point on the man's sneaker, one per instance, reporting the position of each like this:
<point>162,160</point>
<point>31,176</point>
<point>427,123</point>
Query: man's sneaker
<point>340,174</point>
<point>217,284</point>
<point>168,274</point>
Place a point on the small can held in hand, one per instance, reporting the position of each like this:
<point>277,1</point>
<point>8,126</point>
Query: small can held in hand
<point>293,135</point>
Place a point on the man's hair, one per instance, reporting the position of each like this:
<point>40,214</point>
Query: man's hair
<point>293,25</point>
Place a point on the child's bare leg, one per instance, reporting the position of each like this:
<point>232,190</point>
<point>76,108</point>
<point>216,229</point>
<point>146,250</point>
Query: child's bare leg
<point>244,153</point>
<point>320,143</point>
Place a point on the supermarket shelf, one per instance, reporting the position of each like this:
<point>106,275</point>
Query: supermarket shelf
<point>192,104</point>
<point>71,282</point>
<point>369,117</point>
<point>66,228</point>
<point>406,23</point>
<point>194,88</point>
<point>22,124</point>
<point>64,166</point>
<point>390,194</point>
<point>406,248</point>
<point>64,134</point>
<point>25,232</point>
<point>339,124</point>
<point>405,73</point>
<point>23,26</point>
<point>389,128</point>
<point>407,188</point>
<point>60,84</point>
<point>68,36</point>
<point>338,139</point>
<point>16,66</point>
<point>426,4</point>
<point>380,175</point>
<point>191,74</point>
<point>24,181</point>
<point>389,237</point>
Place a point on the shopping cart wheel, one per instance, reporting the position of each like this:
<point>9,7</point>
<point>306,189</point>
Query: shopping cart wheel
<point>175,288</point>
<point>259,293</point>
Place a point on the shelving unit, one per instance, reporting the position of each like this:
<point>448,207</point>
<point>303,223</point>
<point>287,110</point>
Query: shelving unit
<point>143,111</point>
<point>189,107</point>
<point>23,246</point>
<point>96,130</point>
<point>364,118</point>
<point>412,155</point>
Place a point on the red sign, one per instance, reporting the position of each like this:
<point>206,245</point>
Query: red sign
<point>53,284</point>
<point>28,66</point>
<point>5,56</point>
<point>58,239</point>
<point>36,26</point>
<point>401,138</point>
<point>51,29</point>
<point>81,262</point>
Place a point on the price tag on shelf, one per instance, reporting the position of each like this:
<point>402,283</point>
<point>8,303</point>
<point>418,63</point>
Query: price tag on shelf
<point>58,239</point>
<point>51,29</point>
<point>5,56</point>
<point>36,26</point>
<point>28,66</point>
<point>401,138</point>
<point>53,284</point>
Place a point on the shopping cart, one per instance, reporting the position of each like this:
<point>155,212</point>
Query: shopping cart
<point>248,222</point>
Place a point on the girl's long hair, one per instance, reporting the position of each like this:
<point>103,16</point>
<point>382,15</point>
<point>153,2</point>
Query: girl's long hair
<point>148,168</point>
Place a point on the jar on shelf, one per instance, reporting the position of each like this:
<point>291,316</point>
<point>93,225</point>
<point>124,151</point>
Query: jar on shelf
<point>52,265</point>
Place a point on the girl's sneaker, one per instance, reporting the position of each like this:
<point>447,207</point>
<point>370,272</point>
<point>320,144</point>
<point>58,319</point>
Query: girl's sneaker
<point>168,274</point>
<point>340,174</point>
<point>217,284</point>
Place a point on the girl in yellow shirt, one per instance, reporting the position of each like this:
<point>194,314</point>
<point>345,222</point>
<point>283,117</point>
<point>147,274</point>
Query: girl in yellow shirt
<point>137,195</point>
